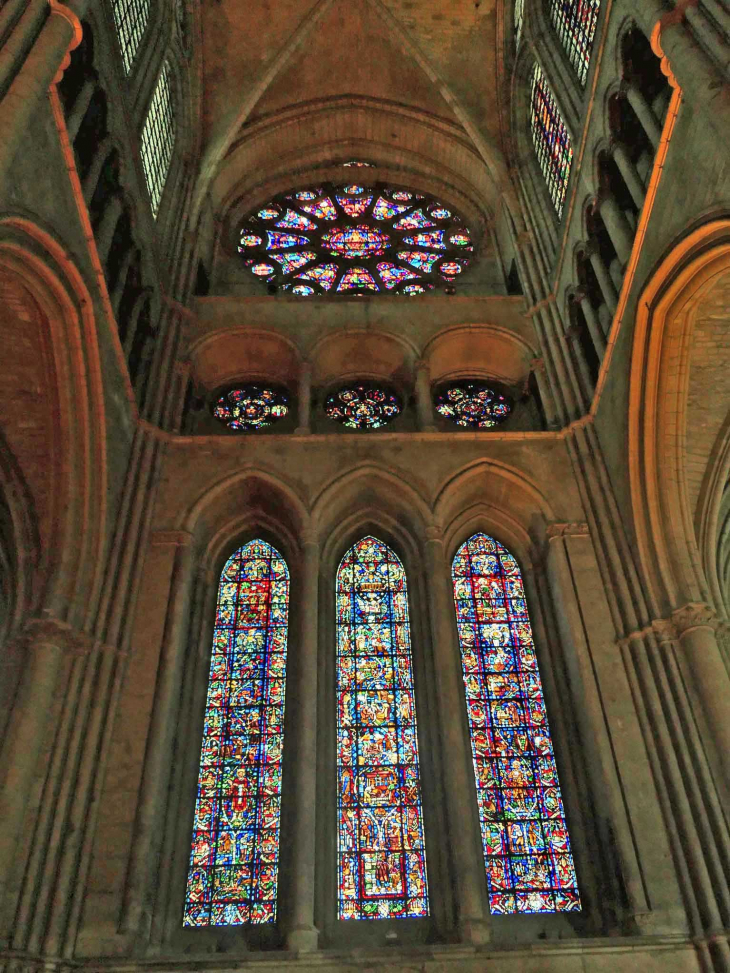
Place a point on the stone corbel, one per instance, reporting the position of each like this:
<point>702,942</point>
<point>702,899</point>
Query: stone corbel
<point>694,615</point>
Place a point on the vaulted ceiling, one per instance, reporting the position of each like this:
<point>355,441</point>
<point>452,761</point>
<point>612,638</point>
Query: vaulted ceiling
<point>291,87</point>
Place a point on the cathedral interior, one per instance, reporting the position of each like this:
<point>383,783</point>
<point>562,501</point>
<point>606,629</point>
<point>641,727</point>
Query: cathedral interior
<point>364,505</point>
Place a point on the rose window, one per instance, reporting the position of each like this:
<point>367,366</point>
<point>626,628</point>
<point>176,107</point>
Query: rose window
<point>363,406</point>
<point>355,239</point>
<point>251,407</point>
<point>473,404</point>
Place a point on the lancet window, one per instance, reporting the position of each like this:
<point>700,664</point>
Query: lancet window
<point>550,137</point>
<point>130,19</point>
<point>575,25</point>
<point>158,137</point>
<point>525,838</point>
<point>380,845</point>
<point>234,862</point>
<point>519,15</point>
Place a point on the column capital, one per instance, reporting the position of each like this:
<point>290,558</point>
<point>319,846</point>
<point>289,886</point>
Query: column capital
<point>52,632</point>
<point>694,614</point>
<point>310,537</point>
<point>574,529</point>
<point>434,534</point>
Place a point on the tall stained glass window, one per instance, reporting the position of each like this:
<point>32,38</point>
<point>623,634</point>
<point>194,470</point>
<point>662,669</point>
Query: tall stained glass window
<point>158,138</point>
<point>130,19</point>
<point>524,834</point>
<point>381,854</point>
<point>234,861</point>
<point>575,25</point>
<point>519,9</point>
<point>551,139</point>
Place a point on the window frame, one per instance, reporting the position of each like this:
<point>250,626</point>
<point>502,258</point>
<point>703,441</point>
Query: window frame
<point>159,137</point>
<point>123,39</point>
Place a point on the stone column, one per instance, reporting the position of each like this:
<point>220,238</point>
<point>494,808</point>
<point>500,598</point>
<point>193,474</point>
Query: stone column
<point>593,324</point>
<point>618,228</point>
<point>645,113</point>
<point>629,174</point>
<point>107,225</point>
<point>424,402</point>
<point>116,295</point>
<point>467,860</point>
<point>78,110</point>
<point>103,152</point>
<point>548,404</point>
<point>304,399</point>
<point>141,876</point>
<point>302,934</point>
<point>608,289</point>
<point>695,624</point>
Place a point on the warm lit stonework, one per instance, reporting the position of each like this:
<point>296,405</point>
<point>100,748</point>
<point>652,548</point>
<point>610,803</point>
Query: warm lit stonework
<point>364,507</point>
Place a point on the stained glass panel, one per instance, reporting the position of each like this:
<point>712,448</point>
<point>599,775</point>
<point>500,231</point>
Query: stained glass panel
<point>357,278</point>
<point>251,407</point>
<point>130,20</point>
<point>363,406</point>
<point>293,261</point>
<point>324,274</point>
<point>279,241</point>
<point>551,139</point>
<point>295,221</point>
<point>392,275</point>
<point>381,852</point>
<point>472,404</point>
<point>356,242</point>
<point>525,837</point>
<point>575,24</point>
<point>354,207</point>
<point>234,861</point>
<point>421,261</point>
<point>414,221</point>
<point>434,239</point>
<point>323,209</point>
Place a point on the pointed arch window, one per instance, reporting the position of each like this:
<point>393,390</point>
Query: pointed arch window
<point>130,19</point>
<point>550,137</point>
<point>575,24</point>
<point>158,137</point>
<point>234,861</point>
<point>525,838</point>
<point>381,851</point>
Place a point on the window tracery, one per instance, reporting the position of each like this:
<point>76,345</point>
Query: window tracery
<point>158,138</point>
<point>234,862</point>
<point>524,833</point>
<point>251,407</point>
<point>380,847</point>
<point>575,24</point>
<point>363,405</point>
<point>473,403</point>
<point>130,19</point>
<point>353,239</point>
<point>550,137</point>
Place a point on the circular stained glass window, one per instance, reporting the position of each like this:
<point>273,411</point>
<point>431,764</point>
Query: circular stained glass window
<point>476,405</point>
<point>355,240</point>
<point>363,405</point>
<point>251,407</point>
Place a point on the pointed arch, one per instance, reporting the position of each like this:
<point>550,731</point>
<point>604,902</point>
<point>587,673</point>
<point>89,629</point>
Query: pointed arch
<point>380,847</point>
<point>525,837</point>
<point>234,861</point>
<point>575,24</point>
<point>130,19</point>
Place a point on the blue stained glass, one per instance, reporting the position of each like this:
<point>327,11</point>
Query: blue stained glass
<point>234,861</point>
<point>295,221</point>
<point>524,833</point>
<point>575,24</point>
<point>392,275</point>
<point>414,221</point>
<point>323,209</point>
<point>293,261</point>
<point>357,278</point>
<point>354,207</point>
<point>421,261</point>
<point>434,239</point>
<point>278,241</point>
<point>384,209</point>
<point>550,137</point>
<point>380,847</point>
<point>324,274</point>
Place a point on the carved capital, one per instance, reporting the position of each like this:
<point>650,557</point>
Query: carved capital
<point>434,534</point>
<point>694,615</point>
<point>537,364</point>
<point>576,529</point>
<point>664,630</point>
<point>51,632</point>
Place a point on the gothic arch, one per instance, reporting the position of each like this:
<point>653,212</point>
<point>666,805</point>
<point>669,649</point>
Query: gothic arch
<point>57,413</point>
<point>675,569</point>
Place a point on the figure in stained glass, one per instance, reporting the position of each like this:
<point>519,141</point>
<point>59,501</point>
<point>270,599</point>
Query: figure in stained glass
<point>381,851</point>
<point>525,838</point>
<point>234,860</point>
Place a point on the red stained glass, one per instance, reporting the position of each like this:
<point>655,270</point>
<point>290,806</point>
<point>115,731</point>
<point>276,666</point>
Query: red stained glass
<point>524,834</point>
<point>381,854</point>
<point>235,847</point>
<point>550,137</point>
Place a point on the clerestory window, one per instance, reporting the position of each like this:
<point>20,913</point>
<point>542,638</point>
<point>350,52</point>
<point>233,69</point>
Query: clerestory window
<point>575,24</point>
<point>550,137</point>
<point>158,137</point>
<point>130,18</point>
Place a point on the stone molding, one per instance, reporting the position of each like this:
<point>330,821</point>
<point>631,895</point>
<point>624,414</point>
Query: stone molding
<point>575,529</point>
<point>57,634</point>
<point>695,614</point>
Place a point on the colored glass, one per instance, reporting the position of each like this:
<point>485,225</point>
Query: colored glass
<point>392,275</point>
<point>251,407</point>
<point>354,207</point>
<point>413,289</point>
<point>357,278</point>
<point>357,164</point>
<point>362,406</point>
<point>450,268</point>
<point>329,228</point>
<point>434,239</point>
<point>279,241</point>
<point>234,863</point>
<point>550,137</point>
<point>575,24</point>
<point>356,242</point>
<point>414,221</point>
<point>293,261</point>
<point>380,841</point>
<point>324,275</point>
<point>473,404</point>
<point>525,837</point>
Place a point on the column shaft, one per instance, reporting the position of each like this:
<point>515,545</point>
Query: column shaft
<point>302,934</point>
<point>107,225</point>
<point>629,175</point>
<point>79,108</point>
<point>304,403</point>
<point>594,326</point>
<point>424,403</point>
<point>645,114</point>
<point>618,228</point>
<point>607,286</point>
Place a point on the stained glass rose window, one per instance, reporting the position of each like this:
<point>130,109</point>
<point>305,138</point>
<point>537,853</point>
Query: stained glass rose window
<point>251,407</point>
<point>363,405</point>
<point>353,239</point>
<point>474,404</point>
